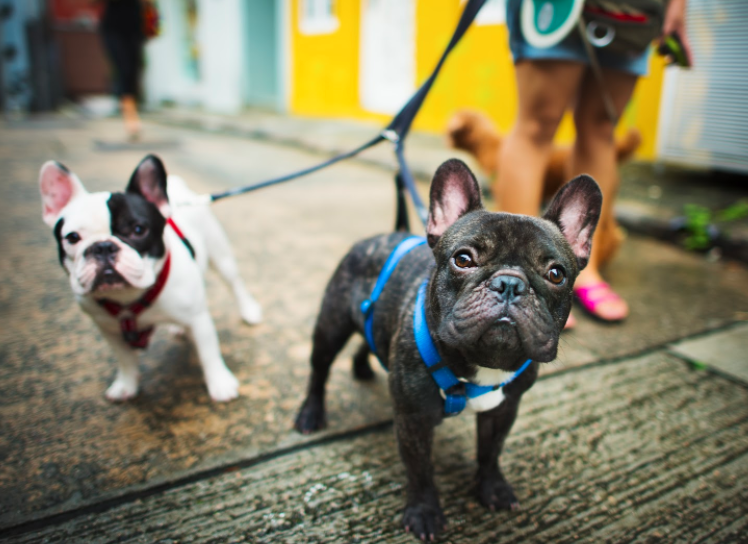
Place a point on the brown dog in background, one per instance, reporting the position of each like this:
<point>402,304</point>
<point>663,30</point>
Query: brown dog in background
<point>474,132</point>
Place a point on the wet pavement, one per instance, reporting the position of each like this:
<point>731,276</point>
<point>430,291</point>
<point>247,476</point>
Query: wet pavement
<point>623,439</point>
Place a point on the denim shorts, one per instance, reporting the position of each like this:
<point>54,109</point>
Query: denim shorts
<point>570,48</point>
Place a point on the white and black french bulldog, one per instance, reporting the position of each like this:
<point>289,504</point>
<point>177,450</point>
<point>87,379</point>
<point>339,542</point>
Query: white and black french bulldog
<point>498,292</point>
<point>135,260</point>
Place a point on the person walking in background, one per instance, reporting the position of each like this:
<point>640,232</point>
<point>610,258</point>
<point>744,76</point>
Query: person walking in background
<point>549,80</point>
<point>122,31</point>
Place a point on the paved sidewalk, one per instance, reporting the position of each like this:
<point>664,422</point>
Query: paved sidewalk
<point>622,439</point>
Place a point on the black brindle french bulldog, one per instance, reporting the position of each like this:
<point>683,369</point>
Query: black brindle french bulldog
<point>499,293</point>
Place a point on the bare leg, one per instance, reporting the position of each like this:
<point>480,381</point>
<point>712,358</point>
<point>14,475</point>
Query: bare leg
<point>595,154</point>
<point>130,114</point>
<point>545,89</point>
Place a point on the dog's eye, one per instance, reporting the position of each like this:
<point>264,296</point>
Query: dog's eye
<point>556,276</point>
<point>73,238</point>
<point>139,230</point>
<point>463,260</point>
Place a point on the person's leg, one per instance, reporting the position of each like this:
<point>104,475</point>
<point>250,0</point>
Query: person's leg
<point>130,65</point>
<point>545,89</point>
<point>129,108</point>
<point>595,154</point>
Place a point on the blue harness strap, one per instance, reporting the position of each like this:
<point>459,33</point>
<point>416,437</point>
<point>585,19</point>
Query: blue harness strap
<point>367,306</point>
<point>456,392</point>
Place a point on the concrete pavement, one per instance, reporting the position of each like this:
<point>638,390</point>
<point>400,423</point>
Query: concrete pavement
<point>621,440</point>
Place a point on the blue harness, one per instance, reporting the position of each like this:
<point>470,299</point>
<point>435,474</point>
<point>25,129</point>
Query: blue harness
<point>456,392</point>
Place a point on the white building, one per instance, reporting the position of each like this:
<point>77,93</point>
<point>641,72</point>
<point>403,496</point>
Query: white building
<point>218,54</point>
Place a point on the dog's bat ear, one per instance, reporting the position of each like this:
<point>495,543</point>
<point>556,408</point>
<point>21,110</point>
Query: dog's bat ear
<point>454,192</point>
<point>575,210</point>
<point>58,187</point>
<point>149,181</point>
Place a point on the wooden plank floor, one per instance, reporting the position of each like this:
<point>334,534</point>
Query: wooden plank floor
<point>642,450</point>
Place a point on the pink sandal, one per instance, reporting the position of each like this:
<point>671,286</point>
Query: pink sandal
<point>591,296</point>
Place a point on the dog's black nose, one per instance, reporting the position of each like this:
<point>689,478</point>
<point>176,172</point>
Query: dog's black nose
<point>508,287</point>
<point>103,250</point>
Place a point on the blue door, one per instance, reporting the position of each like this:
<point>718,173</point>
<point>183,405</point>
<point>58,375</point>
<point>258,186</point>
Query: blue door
<point>262,68</point>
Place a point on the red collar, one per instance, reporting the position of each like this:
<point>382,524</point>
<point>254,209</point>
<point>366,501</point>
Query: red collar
<point>127,313</point>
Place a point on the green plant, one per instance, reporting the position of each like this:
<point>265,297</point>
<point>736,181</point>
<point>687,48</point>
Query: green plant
<point>739,210</point>
<point>698,219</point>
<point>699,222</point>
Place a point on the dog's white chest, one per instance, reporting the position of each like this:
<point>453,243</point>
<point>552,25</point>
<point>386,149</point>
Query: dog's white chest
<point>487,401</point>
<point>490,400</point>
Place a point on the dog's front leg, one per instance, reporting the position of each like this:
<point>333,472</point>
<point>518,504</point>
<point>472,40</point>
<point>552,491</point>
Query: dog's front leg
<point>494,491</point>
<point>423,515</point>
<point>125,384</point>
<point>222,385</point>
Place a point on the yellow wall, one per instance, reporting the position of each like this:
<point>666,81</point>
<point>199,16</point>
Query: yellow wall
<point>478,74</point>
<point>325,67</point>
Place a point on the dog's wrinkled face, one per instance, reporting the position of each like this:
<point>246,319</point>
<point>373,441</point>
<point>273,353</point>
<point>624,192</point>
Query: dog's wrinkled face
<point>107,241</point>
<point>502,288</point>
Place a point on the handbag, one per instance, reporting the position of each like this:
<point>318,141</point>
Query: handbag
<point>623,26</point>
<point>151,20</point>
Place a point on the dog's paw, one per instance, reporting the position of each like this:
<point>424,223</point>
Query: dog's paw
<point>425,521</point>
<point>311,417</point>
<point>122,389</point>
<point>222,386</point>
<point>497,494</point>
<point>251,312</point>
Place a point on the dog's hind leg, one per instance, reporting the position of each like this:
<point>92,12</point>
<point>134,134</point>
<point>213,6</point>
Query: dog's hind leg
<point>222,258</point>
<point>361,367</point>
<point>332,330</point>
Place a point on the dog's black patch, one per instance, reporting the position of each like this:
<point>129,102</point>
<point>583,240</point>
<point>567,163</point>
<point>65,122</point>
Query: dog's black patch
<point>130,211</point>
<point>58,236</point>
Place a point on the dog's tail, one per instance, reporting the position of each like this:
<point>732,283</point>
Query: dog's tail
<point>626,146</point>
<point>475,133</point>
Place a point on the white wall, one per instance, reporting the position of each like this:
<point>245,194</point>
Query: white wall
<point>221,48</point>
<point>165,75</point>
<point>219,88</point>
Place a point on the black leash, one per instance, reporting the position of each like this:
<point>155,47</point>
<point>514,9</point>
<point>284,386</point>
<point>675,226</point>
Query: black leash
<point>395,132</point>
<point>298,174</point>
